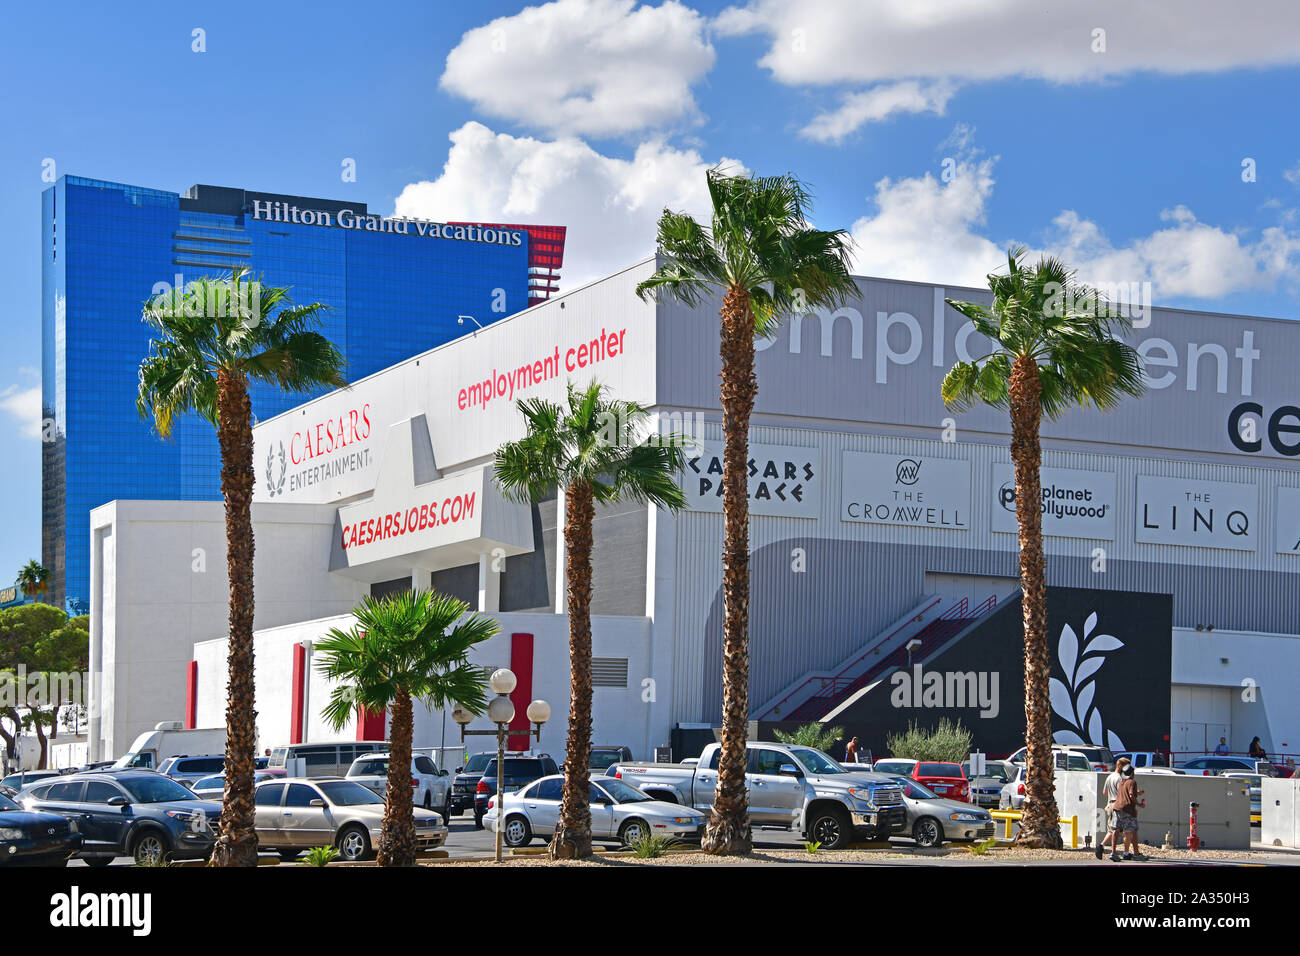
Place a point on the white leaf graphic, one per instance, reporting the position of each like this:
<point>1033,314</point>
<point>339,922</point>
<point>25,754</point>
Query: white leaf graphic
<point>1061,702</point>
<point>1089,624</point>
<point>1094,726</point>
<point>1102,642</point>
<point>1068,652</point>
<point>1068,737</point>
<point>1084,701</point>
<point>1115,742</point>
<point>1089,667</point>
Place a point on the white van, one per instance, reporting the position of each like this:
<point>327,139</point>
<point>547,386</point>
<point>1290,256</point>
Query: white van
<point>325,758</point>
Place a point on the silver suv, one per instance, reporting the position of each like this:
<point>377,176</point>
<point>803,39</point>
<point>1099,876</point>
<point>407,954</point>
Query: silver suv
<point>187,770</point>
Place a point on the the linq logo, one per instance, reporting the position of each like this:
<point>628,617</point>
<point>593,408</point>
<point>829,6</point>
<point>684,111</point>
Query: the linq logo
<point>907,472</point>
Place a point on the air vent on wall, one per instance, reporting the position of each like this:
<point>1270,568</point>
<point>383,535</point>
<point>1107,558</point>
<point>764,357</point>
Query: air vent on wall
<point>609,671</point>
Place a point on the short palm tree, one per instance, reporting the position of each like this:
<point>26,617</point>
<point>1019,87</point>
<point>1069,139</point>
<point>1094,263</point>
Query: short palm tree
<point>211,338</point>
<point>765,260</point>
<point>1057,347</point>
<point>33,579</point>
<point>403,647</point>
<point>591,447</point>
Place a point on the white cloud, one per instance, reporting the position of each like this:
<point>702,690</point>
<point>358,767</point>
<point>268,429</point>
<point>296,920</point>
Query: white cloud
<point>871,41</point>
<point>24,406</point>
<point>929,230</point>
<point>877,103</point>
<point>584,67</point>
<point>610,205</point>
<point>1292,175</point>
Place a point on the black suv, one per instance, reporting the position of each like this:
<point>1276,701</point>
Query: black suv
<point>137,813</point>
<point>462,785</point>
<point>520,771</point>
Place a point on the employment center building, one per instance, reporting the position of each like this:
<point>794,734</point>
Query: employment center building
<point>883,535</point>
<point>394,287</point>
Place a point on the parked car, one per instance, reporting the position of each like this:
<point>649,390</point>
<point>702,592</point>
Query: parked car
<point>1209,765</point>
<point>618,812</point>
<point>138,813</point>
<point>25,778</point>
<point>7,791</point>
<point>944,778</point>
<point>986,789</point>
<point>186,769</point>
<point>1142,759</point>
<point>324,759</point>
<point>293,814</point>
<point>35,839</point>
<point>1013,794</point>
<point>797,788</point>
<point>1254,789</point>
<point>602,758</point>
<point>430,786</point>
<point>519,772</point>
<point>931,819</point>
<point>1098,758</point>
<point>894,765</point>
<point>214,787</point>
<point>466,779</point>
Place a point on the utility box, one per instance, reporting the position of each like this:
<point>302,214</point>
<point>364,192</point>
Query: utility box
<point>1279,811</point>
<point>1223,814</point>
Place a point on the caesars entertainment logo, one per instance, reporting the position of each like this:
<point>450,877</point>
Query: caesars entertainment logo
<point>317,452</point>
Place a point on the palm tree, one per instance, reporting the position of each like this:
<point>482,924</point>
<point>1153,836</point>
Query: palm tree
<point>403,647</point>
<point>211,339</point>
<point>33,579</point>
<point>1056,348</point>
<point>765,260</point>
<point>591,448</point>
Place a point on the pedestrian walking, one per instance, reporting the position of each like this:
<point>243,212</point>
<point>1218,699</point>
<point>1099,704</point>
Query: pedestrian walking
<point>1111,789</point>
<point>1126,816</point>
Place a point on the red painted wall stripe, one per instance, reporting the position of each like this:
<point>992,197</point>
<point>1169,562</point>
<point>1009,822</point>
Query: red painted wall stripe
<point>521,662</point>
<point>191,694</point>
<point>370,724</point>
<point>296,697</point>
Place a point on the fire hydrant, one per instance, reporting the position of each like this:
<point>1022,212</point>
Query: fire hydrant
<point>1193,841</point>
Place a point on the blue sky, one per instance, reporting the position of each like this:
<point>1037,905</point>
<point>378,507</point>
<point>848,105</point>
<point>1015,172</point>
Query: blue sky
<point>937,132</point>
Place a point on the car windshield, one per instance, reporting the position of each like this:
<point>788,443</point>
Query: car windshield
<point>476,763</point>
<point>374,767</point>
<point>344,793</point>
<point>155,789</point>
<point>814,761</point>
<point>995,771</point>
<point>894,766</point>
<point>621,792</point>
<point>601,759</point>
<point>217,782</point>
<point>515,768</point>
<point>915,790</point>
<point>7,804</point>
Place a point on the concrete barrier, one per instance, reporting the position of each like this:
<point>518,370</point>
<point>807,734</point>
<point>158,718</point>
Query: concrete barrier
<point>1279,811</point>
<point>1223,817</point>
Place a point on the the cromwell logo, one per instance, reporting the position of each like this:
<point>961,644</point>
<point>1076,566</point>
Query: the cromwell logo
<point>274,479</point>
<point>907,472</point>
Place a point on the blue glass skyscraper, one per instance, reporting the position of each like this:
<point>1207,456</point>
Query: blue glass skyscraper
<point>394,288</point>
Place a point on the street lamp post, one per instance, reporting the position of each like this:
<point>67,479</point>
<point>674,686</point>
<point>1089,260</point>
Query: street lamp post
<point>501,711</point>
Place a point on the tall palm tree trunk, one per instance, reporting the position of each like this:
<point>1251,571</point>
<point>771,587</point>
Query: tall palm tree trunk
<point>728,828</point>
<point>237,841</point>
<point>573,833</point>
<point>1038,826</point>
<point>397,838</point>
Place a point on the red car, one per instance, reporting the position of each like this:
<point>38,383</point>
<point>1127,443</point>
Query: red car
<point>945,779</point>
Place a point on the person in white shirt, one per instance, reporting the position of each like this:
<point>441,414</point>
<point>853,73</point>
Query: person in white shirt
<point>1111,788</point>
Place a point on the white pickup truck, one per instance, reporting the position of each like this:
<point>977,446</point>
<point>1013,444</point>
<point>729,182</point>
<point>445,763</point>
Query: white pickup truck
<point>797,788</point>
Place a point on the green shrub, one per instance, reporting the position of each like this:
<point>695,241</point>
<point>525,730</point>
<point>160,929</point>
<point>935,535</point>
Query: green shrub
<point>816,735</point>
<point>652,846</point>
<point>812,846</point>
<point>319,856</point>
<point>949,742</point>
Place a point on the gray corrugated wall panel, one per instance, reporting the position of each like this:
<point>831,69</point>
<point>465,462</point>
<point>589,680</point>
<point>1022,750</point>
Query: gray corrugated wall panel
<point>862,576</point>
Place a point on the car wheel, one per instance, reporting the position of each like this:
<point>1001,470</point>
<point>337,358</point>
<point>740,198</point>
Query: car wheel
<point>927,832</point>
<point>831,828</point>
<point>97,861</point>
<point>446,811</point>
<point>517,832</point>
<point>149,848</point>
<point>354,843</point>
<point>633,831</point>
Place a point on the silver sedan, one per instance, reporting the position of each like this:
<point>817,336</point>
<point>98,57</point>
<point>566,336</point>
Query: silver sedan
<point>618,812</point>
<point>931,819</point>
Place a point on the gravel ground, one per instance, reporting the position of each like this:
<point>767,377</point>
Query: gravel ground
<point>955,855</point>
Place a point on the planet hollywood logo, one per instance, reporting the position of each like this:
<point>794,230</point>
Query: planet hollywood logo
<point>1059,502</point>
